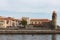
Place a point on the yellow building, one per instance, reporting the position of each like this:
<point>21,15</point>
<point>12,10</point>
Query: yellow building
<point>3,22</point>
<point>8,22</point>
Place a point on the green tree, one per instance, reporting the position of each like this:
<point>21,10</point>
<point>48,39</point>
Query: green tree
<point>24,22</point>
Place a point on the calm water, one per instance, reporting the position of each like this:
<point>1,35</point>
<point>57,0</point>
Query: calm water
<point>27,37</point>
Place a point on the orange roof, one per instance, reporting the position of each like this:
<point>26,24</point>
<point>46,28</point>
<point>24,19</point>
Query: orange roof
<point>40,20</point>
<point>2,18</point>
<point>9,18</point>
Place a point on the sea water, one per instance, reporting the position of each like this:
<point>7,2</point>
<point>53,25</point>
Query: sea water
<point>28,37</point>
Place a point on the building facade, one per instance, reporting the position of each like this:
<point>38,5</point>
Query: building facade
<point>12,22</point>
<point>38,21</point>
<point>8,22</point>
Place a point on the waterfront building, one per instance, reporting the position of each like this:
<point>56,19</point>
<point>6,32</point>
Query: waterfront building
<point>12,22</point>
<point>3,22</point>
<point>8,22</point>
<point>39,21</point>
<point>42,23</point>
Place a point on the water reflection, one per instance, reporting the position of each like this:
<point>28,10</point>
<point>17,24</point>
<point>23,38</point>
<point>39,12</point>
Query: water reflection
<point>25,37</point>
<point>58,37</point>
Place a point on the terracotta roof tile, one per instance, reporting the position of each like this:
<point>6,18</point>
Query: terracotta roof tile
<point>40,20</point>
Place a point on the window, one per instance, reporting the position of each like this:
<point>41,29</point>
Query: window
<point>7,22</point>
<point>13,24</point>
<point>35,22</point>
<point>40,22</point>
<point>32,22</point>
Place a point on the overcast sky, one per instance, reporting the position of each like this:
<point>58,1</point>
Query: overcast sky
<point>30,8</point>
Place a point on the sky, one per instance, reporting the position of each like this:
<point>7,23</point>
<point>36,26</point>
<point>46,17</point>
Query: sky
<point>30,8</point>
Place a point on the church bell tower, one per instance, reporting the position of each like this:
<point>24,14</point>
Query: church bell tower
<point>54,20</point>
